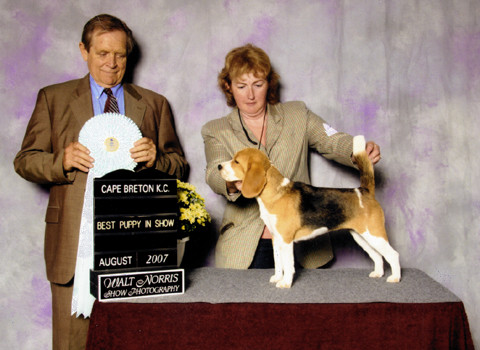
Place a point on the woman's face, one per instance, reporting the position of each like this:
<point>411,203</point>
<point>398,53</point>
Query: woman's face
<point>250,93</point>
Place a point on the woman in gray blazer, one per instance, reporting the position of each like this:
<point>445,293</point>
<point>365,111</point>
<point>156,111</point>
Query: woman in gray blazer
<point>285,132</point>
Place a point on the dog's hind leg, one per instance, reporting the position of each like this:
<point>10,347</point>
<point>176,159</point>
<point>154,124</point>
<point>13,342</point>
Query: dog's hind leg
<point>385,249</point>
<point>372,253</point>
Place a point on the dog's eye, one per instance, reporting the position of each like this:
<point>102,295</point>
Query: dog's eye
<point>235,161</point>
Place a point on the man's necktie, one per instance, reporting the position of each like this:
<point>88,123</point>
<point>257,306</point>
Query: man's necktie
<point>111,106</point>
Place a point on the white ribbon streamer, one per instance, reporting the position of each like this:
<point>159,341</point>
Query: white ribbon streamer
<point>82,300</point>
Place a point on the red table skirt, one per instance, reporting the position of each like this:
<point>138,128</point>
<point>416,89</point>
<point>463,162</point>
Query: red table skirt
<point>279,326</point>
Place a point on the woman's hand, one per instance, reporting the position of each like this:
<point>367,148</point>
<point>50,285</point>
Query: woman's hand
<point>234,187</point>
<point>373,152</point>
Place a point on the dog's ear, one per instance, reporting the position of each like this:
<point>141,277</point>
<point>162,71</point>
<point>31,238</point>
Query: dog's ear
<point>254,181</point>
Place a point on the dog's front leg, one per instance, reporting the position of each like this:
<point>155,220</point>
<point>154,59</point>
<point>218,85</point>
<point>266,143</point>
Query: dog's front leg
<point>288,264</point>
<point>277,261</point>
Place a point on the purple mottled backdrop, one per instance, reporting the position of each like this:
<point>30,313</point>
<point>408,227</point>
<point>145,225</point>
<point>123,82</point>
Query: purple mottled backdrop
<point>404,73</point>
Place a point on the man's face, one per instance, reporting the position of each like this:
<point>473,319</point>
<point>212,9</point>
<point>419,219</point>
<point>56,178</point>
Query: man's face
<point>107,58</point>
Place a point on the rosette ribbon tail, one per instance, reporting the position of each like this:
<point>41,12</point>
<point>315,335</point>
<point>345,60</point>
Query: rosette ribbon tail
<point>82,300</point>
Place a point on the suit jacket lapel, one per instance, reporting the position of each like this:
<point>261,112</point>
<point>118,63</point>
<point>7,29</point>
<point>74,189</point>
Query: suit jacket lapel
<point>274,127</point>
<point>134,107</point>
<point>82,105</point>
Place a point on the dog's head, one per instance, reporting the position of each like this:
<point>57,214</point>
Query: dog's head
<point>250,166</point>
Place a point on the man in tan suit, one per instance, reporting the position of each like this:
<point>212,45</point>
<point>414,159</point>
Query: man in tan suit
<point>51,154</point>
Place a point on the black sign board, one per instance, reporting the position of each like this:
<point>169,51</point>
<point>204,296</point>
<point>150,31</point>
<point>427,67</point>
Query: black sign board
<point>135,221</point>
<point>135,227</point>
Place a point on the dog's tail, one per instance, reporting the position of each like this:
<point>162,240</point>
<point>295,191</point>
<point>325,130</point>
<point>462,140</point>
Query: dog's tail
<point>367,178</point>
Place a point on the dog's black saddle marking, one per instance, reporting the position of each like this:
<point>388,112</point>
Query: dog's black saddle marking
<point>321,207</point>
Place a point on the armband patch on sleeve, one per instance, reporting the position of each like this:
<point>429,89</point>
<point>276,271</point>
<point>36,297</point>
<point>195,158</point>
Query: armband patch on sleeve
<point>329,130</point>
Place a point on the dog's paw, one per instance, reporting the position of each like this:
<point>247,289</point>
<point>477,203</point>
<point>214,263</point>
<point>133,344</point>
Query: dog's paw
<point>393,279</point>
<point>283,284</point>
<point>375,274</point>
<point>275,278</point>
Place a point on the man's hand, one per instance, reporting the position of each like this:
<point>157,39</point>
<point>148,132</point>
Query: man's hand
<point>77,156</point>
<point>144,150</point>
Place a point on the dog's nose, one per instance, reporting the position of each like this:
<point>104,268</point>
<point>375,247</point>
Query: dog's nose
<point>219,166</point>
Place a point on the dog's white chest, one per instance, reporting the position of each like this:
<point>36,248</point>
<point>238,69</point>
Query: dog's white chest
<point>269,219</point>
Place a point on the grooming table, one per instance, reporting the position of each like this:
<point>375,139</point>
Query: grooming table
<point>324,309</point>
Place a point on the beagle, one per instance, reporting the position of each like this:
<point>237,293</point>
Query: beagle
<point>294,211</point>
